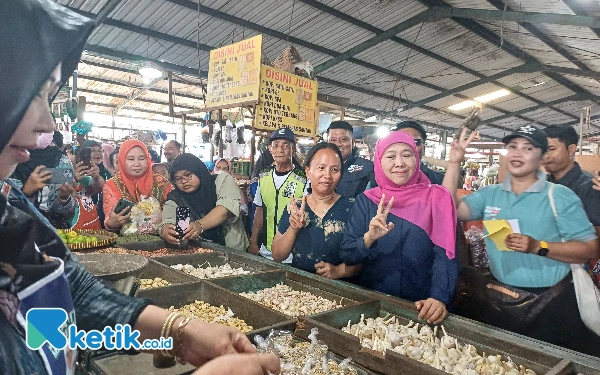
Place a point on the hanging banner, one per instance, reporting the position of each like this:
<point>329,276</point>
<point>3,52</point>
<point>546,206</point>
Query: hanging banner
<point>286,100</point>
<point>233,74</point>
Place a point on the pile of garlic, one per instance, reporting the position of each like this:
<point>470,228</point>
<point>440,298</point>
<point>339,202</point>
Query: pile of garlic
<point>423,345</point>
<point>291,302</point>
<point>210,272</point>
<point>153,283</point>
<point>212,314</point>
<point>303,358</point>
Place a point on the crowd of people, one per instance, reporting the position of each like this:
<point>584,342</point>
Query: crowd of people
<point>389,224</point>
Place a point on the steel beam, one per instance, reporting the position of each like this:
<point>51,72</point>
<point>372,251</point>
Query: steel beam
<point>578,9</point>
<point>404,25</point>
<point>488,35</point>
<point>137,109</point>
<point>574,72</point>
<point>575,97</point>
<point>427,124</point>
<point>367,26</point>
<point>140,92</point>
<point>121,96</point>
<point>515,16</point>
<point>467,86</point>
<point>544,38</point>
<point>126,56</point>
<point>264,30</point>
<point>105,11</point>
<point>358,62</point>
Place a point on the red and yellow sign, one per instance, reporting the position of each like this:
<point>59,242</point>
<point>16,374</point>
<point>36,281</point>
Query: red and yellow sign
<point>286,100</point>
<point>234,74</point>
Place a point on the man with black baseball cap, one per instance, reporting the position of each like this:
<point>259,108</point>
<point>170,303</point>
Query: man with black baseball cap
<point>277,184</point>
<point>538,261</point>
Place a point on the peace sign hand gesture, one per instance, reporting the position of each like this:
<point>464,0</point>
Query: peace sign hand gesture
<point>459,145</point>
<point>297,217</point>
<point>378,226</point>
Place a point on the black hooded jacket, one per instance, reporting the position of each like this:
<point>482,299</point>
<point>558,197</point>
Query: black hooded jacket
<point>35,35</point>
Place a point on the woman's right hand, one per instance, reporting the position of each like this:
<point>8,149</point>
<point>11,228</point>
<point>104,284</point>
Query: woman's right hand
<point>117,220</point>
<point>243,364</point>
<point>378,226</point>
<point>458,148</point>
<point>297,217</point>
<point>81,171</point>
<point>169,234</point>
<point>37,180</point>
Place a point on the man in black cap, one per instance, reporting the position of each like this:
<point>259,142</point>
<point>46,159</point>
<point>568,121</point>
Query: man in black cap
<point>535,258</point>
<point>358,172</point>
<point>277,185</point>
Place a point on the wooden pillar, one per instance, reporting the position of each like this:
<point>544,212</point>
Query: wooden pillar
<point>223,128</point>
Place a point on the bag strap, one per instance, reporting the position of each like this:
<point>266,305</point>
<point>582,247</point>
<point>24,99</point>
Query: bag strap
<point>552,202</point>
<point>553,206</point>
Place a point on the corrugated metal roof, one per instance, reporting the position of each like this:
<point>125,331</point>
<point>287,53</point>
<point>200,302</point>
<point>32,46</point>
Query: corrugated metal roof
<point>381,14</point>
<point>445,38</point>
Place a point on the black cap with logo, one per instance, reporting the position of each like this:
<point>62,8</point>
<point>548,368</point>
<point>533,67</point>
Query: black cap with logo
<point>536,136</point>
<point>283,133</point>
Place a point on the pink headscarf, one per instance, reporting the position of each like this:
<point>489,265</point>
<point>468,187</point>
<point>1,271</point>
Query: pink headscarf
<point>430,207</point>
<point>106,151</point>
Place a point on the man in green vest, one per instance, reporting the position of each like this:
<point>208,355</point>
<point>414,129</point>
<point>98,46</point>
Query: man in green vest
<point>277,184</point>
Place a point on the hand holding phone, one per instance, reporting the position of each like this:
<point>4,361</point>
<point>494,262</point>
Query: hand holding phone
<point>123,204</point>
<point>85,156</point>
<point>182,220</point>
<point>59,176</point>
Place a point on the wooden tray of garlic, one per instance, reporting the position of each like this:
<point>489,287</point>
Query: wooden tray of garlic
<point>155,275</point>
<point>190,295</point>
<point>289,293</point>
<point>388,342</point>
<point>216,260</point>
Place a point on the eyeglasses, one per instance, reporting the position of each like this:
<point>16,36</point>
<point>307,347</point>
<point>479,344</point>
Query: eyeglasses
<point>187,176</point>
<point>418,141</point>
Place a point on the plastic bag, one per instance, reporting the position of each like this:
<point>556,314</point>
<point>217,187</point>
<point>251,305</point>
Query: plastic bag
<point>479,256</point>
<point>588,298</point>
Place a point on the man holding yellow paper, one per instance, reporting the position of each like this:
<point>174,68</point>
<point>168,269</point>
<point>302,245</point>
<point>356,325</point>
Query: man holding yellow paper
<point>536,275</point>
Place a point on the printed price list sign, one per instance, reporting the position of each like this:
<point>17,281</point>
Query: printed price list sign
<point>286,100</point>
<point>234,74</point>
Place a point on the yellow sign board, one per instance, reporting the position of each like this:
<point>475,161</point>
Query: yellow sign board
<point>286,100</point>
<point>234,74</point>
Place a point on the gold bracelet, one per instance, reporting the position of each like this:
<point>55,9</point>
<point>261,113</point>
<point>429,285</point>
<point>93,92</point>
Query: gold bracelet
<point>178,351</point>
<point>166,329</point>
<point>168,334</point>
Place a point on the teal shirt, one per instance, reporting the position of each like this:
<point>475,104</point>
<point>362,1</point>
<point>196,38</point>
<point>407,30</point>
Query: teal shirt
<point>536,219</point>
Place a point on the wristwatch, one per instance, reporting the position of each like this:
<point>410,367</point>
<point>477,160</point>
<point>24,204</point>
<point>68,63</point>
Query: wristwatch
<point>543,251</point>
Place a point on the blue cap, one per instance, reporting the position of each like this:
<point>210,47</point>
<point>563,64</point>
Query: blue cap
<point>283,133</point>
<point>209,165</point>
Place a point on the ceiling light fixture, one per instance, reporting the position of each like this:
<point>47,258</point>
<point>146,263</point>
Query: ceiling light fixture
<point>382,131</point>
<point>479,99</point>
<point>149,71</point>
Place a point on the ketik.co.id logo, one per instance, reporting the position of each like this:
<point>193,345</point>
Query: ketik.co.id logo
<point>46,325</point>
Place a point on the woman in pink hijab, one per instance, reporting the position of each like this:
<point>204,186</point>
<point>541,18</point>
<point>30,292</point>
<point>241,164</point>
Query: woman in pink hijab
<point>403,232</point>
